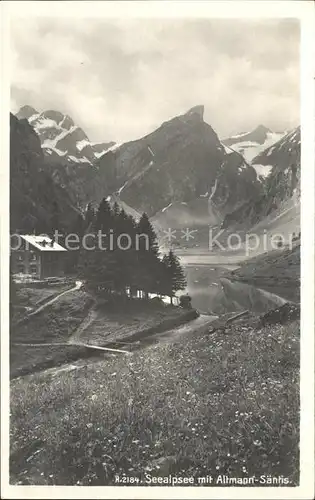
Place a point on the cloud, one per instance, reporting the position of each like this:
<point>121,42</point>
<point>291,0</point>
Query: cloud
<point>119,79</point>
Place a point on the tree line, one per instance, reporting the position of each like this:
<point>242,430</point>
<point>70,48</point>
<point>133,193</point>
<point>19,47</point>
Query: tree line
<point>129,263</point>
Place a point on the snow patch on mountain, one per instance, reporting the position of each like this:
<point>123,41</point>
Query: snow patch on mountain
<point>33,117</point>
<point>287,147</point>
<point>42,123</point>
<point>228,150</point>
<point>114,147</point>
<point>98,155</point>
<point>121,188</point>
<point>165,208</point>
<point>251,144</point>
<point>294,135</point>
<point>262,170</point>
<point>250,149</point>
<point>81,144</point>
<point>150,150</point>
<point>51,148</point>
<point>83,159</point>
<point>103,150</point>
<point>52,143</point>
<point>213,189</point>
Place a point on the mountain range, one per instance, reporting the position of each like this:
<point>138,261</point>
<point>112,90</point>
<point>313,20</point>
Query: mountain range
<point>181,174</point>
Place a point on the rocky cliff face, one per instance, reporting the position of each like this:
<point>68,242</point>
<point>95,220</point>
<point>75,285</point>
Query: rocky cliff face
<point>33,192</point>
<point>182,162</point>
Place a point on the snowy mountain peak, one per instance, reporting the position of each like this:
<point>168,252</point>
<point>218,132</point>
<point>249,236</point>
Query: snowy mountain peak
<point>62,120</point>
<point>61,137</point>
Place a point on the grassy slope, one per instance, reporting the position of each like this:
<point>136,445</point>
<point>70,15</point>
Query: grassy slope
<point>277,271</point>
<point>59,321</point>
<point>216,404</point>
<point>34,297</point>
<point>54,324</point>
<point>30,298</point>
<point>132,320</point>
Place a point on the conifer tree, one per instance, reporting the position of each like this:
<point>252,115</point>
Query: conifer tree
<point>125,229</point>
<point>115,209</point>
<point>72,257</point>
<point>104,268</point>
<point>54,223</point>
<point>92,264</point>
<point>99,271</point>
<point>103,218</point>
<point>131,261</point>
<point>122,251</point>
<point>89,216</point>
<point>78,227</point>
<point>150,243</point>
<point>55,219</point>
<point>175,277</point>
<point>164,282</point>
<point>148,263</point>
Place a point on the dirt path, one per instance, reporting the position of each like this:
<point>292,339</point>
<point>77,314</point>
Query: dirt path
<point>171,334</point>
<point>76,336</point>
<point>177,334</point>
<point>36,344</point>
<point>77,286</point>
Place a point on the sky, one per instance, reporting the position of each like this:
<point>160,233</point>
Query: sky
<point>120,79</point>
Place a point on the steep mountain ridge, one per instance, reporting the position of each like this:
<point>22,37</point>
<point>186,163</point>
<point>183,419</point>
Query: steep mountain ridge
<point>181,174</point>
<point>179,163</point>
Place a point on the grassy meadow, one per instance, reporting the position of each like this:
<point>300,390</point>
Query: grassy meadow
<point>223,403</point>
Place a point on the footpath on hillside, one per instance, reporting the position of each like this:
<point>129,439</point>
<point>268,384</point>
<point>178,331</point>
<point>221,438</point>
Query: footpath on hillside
<point>72,326</point>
